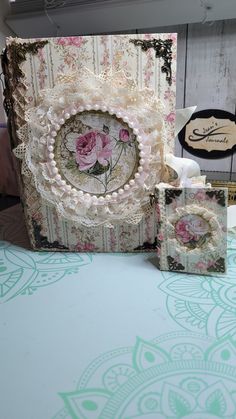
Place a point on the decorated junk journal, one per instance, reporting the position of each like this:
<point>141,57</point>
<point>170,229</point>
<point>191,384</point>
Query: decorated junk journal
<point>191,229</point>
<point>91,118</point>
<point>92,124</point>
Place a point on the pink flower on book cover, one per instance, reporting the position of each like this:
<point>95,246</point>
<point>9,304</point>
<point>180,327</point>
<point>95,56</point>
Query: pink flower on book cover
<point>70,41</point>
<point>169,94</point>
<point>85,247</point>
<point>192,230</point>
<point>205,265</point>
<point>124,135</point>
<point>172,36</point>
<point>211,263</point>
<point>160,237</point>
<point>96,156</point>
<point>201,265</point>
<point>170,117</point>
<point>91,148</point>
<point>200,196</point>
<point>181,230</point>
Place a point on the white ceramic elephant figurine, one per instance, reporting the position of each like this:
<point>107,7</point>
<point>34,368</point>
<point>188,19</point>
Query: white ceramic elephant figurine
<point>185,168</point>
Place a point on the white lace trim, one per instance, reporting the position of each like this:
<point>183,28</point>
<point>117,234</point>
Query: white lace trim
<point>110,92</point>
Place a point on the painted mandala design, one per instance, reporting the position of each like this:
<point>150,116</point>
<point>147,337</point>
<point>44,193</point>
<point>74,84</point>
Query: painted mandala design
<point>179,375</point>
<point>24,272</point>
<point>202,303</point>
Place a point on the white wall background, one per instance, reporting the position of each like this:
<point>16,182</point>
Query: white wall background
<point>206,77</point>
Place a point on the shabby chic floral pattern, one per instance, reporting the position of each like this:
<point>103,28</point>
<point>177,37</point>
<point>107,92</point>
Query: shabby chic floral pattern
<point>75,41</point>
<point>65,55</point>
<point>118,239</point>
<point>194,229</point>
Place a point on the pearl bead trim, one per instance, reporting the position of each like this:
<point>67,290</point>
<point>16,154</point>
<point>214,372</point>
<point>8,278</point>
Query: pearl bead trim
<point>50,140</point>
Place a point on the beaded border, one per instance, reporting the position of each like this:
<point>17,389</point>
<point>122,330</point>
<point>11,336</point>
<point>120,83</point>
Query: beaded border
<point>49,141</point>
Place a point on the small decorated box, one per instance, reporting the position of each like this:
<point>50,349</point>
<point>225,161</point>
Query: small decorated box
<point>192,225</point>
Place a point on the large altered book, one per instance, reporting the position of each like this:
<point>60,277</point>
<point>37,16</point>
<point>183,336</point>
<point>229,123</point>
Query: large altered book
<point>91,119</point>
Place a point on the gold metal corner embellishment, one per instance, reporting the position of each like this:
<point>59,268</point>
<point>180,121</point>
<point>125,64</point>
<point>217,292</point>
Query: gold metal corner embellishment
<point>162,50</point>
<point>18,54</point>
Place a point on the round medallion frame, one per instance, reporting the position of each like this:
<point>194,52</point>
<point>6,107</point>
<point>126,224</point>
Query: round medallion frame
<point>50,140</point>
<point>121,98</point>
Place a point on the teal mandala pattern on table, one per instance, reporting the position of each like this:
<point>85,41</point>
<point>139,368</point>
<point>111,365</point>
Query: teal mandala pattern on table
<point>201,303</point>
<point>178,375</point>
<point>22,272</point>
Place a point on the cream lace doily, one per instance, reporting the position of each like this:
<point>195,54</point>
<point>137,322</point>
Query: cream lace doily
<point>112,93</point>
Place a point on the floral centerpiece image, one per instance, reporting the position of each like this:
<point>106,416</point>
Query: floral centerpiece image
<point>100,154</point>
<point>93,151</point>
<point>192,231</point>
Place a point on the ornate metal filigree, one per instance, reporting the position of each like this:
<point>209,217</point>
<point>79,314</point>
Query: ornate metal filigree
<point>148,246</point>
<point>42,241</point>
<point>219,266</point>
<point>12,57</point>
<point>173,265</point>
<point>219,196</point>
<point>162,50</point>
<point>18,54</point>
<point>171,194</point>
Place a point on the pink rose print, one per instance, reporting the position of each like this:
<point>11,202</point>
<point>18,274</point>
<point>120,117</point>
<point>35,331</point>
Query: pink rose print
<point>124,135</point>
<point>192,230</point>
<point>211,263</point>
<point>172,36</point>
<point>198,226</point>
<point>168,94</point>
<point>201,265</point>
<point>170,117</point>
<point>92,147</point>
<point>71,40</point>
<point>200,196</point>
<point>85,247</point>
<point>181,229</point>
